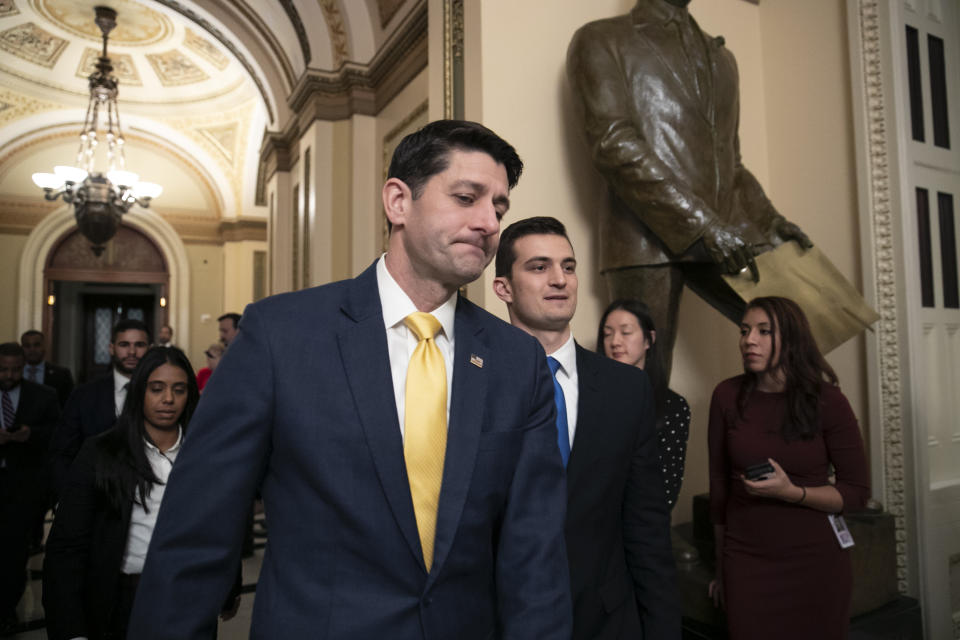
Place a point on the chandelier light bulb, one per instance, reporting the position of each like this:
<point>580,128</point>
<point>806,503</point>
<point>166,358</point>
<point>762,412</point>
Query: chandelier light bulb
<point>148,190</point>
<point>70,174</point>
<point>47,180</point>
<point>123,178</point>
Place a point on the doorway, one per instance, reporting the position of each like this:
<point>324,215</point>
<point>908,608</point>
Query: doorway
<point>88,294</point>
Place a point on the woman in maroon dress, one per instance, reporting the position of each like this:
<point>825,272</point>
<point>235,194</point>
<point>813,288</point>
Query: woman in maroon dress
<point>780,569</point>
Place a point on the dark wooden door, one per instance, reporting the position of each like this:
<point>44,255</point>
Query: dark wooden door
<point>100,313</point>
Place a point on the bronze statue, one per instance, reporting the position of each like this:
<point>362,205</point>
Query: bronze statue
<point>660,105</point>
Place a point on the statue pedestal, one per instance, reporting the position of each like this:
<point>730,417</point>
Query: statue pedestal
<point>878,611</point>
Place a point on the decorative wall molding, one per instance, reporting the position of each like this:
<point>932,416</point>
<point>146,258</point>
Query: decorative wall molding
<point>365,89</point>
<point>453,59</point>
<point>353,89</point>
<point>880,219</point>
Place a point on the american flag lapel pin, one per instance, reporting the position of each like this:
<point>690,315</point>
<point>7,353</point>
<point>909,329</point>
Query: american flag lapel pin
<point>476,361</point>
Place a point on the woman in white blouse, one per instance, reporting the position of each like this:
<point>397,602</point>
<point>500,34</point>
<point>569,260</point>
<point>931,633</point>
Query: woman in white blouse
<point>108,507</point>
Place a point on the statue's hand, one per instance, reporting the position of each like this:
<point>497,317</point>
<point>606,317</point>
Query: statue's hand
<point>789,231</point>
<point>729,252</point>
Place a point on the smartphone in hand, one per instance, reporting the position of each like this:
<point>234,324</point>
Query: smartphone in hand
<point>758,471</point>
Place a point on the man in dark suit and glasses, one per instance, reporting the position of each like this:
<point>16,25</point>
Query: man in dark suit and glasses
<point>93,407</point>
<point>397,509</point>
<point>622,575</point>
<point>42,372</point>
<point>29,414</point>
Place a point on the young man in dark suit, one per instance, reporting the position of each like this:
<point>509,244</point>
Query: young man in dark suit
<point>93,407</point>
<point>321,402</point>
<point>42,372</point>
<point>29,414</point>
<point>622,573</point>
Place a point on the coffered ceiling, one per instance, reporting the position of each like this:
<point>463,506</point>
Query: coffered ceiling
<point>200,82</point>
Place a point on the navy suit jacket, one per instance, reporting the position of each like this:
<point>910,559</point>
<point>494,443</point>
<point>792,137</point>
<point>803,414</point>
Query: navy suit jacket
<point>24,461</point>
<point>90,410</point>
<point>303,402</point>
<point>623,578</point>
<point>60,379</point>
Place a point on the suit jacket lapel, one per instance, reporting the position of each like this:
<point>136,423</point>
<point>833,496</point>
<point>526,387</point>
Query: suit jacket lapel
<point>587,442</point>
<point>468,399</point>
<point>363,351</point>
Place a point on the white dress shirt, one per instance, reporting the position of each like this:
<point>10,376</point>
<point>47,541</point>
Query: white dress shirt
<point>569,382</point>
<point>401,342</point>
<point>120,383</point>
<point>142,521</point>
<point>34,372</point>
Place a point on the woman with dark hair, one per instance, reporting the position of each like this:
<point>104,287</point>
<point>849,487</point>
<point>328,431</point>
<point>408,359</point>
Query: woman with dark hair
<point>775,431</point>
<point>627,335</point>
<point>108,507</point>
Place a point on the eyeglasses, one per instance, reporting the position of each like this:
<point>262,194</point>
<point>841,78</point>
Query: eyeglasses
<point>208,354</point>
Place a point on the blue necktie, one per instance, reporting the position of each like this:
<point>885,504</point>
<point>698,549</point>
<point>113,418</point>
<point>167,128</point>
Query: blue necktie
<point>563,435</point>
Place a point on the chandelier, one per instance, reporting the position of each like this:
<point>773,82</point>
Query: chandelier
<point>99,199</point>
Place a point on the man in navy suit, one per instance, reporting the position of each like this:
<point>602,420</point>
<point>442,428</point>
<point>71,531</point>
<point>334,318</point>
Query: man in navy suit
<point>93,407</point>
<point>28,414</point>
<point>622,573</point>
<point>42,372</point>
<point>309,404</point>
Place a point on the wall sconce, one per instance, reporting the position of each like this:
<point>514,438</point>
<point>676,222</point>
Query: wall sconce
<point>51,300</point>
<point>163,302</point>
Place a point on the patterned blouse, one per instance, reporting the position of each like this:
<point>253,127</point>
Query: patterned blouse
<point>673,429</point>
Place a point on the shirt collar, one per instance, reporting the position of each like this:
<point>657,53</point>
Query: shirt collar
<point>176,445</point>
<point>397,305</point>
<point>119,380</point>
<point>650,12</point>
<point>566,355</point>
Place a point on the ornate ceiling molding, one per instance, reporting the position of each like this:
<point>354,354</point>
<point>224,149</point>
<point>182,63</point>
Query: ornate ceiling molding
<point>294,17</point>
<point>31,43</point>
<point>205,24</point>
<point>336,30</point>
<point>353,89</point>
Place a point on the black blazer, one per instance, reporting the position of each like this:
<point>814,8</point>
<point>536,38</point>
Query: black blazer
<point>60,379</point>
<point>84,555</point>
<point>89,411</point>
<point>38,408</point>
<point>622,573</point>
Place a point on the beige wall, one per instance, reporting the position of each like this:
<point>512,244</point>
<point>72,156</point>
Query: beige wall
<point>206,298</point>
<point>238,274</point>
<point>795,121</point>
<point>11,247</point>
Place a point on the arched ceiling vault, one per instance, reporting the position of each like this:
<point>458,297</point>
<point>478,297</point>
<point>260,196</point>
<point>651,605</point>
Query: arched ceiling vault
<point>219,80</point>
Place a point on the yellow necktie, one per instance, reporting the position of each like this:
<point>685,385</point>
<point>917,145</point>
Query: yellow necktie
<point>425,426</point>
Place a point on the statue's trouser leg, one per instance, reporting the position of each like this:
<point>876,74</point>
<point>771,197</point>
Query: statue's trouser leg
<point>660,286</point>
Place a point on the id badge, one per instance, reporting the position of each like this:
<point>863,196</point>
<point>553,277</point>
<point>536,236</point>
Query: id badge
<point>844,537</point>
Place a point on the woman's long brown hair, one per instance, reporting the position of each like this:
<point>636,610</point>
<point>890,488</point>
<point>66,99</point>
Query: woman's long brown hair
<point>804,367</point>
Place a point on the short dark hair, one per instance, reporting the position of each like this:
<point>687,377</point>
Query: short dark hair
<point>8,349</point>
<point>129,324</point>
<point>31,332</point>
<point>425,153</point>
<point>232,316</point>
<point>535,226</point>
